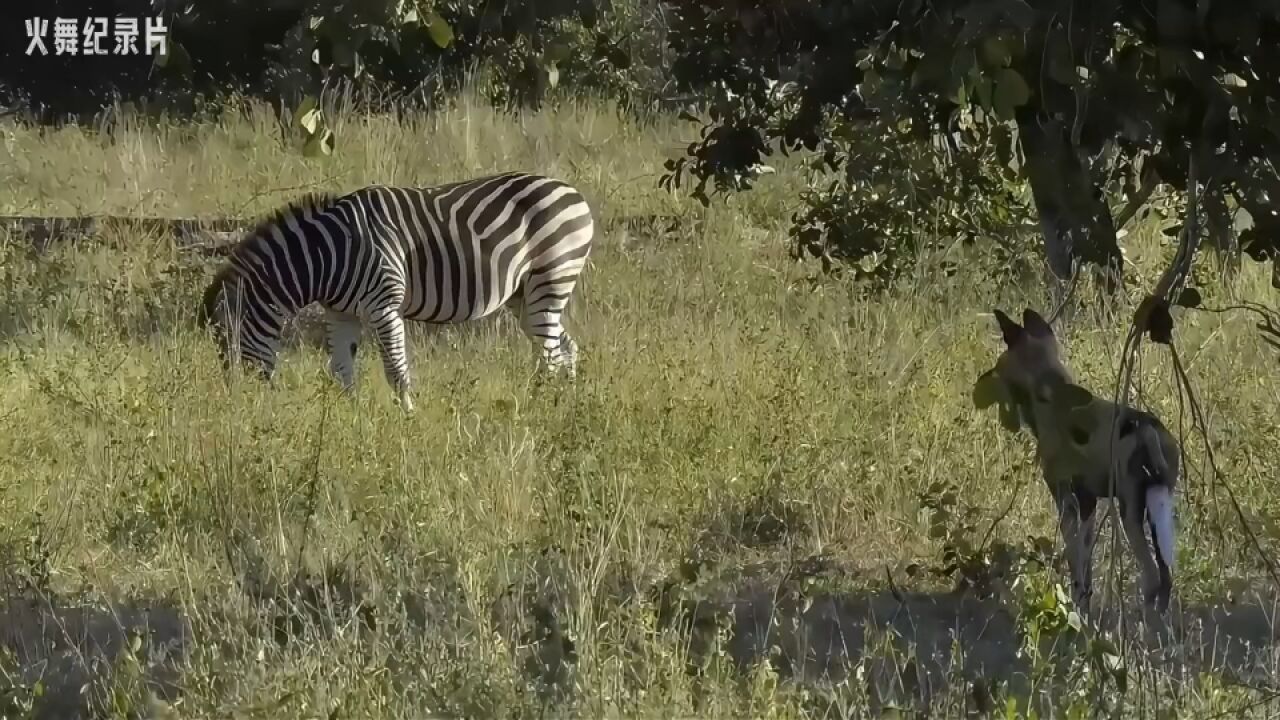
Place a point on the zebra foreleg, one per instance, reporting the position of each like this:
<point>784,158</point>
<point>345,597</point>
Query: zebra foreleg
<point>344,340</point>
<point>388,327</point>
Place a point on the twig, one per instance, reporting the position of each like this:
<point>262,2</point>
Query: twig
<point>1013,497</point>
<point>1149,183</point>
<point>1269,327</point>
<point>1197,416</point>
<point>314,484</point>
<point>1066,297</point>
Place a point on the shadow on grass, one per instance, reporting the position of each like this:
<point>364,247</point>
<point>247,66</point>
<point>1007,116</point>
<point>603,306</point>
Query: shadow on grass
<point>915,646</point>
<point>71,659</point>
<point>912,648</point>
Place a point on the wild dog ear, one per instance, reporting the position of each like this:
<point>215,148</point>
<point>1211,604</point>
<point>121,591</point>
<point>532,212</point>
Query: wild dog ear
<point>1011,330</point>
<point>1035,324</point>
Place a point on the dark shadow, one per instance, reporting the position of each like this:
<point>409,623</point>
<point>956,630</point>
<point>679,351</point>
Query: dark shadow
<point>72,651</point>
<point>816,639</point>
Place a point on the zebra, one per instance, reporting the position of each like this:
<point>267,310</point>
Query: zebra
<point>1074,438</point>
<point>380,255</point>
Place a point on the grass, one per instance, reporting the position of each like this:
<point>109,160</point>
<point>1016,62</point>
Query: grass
<point>742,444</point>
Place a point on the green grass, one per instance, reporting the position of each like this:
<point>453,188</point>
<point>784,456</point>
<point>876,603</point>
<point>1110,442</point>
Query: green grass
<point>738,435</point>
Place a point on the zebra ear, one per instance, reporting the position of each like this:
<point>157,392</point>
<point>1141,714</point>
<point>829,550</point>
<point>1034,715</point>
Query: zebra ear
<point>1010,329</point>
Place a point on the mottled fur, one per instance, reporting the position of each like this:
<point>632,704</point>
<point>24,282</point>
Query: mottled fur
<point>1084,448</point>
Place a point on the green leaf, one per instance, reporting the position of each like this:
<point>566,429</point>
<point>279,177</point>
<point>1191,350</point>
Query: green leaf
<point>320,143</point>
<point>1009,417</point>
<point>1074,621</point>
<point>988,390</point>
<point>175,57</point>
<point>342,53</point>
<point>1188,298</point>
<point>932,70</point>
<point>995,52</point>
<point>439,30</point>
<point>962,68</point>
<point>870,84</point>
<point>308,115</point>
<point>983,88</point>
<point>588,13</point>
<point>1082,418</point>
<point>1059,64</point>
<point>557,52</point>
<point>1011,92</point>
<point>553,75</point>
<point>1070,396</point>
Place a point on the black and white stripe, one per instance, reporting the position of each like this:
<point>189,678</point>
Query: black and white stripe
<point>381,255</point>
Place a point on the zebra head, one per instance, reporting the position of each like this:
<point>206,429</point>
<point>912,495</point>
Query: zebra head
<point>228,312</point>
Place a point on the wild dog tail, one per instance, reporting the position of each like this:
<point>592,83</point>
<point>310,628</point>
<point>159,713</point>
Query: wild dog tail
<point>1160,515</point>
<point>1160,498</point>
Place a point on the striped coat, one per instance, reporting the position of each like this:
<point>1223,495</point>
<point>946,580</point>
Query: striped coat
<point>380,255</point>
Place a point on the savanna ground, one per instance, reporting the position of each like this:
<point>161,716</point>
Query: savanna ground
<point>743,508</point>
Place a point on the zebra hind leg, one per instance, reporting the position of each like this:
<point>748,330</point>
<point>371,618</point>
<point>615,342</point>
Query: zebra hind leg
<point>388,327</point>
<point>568,352</point>
<point>559,351</point>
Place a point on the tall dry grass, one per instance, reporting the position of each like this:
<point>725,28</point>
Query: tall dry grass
<point>742,444</point>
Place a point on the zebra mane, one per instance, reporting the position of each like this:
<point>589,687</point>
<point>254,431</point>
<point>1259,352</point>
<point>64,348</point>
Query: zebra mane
<point>308,203</point>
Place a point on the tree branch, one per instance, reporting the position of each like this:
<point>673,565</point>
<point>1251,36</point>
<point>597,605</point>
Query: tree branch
<point>1150,180</point>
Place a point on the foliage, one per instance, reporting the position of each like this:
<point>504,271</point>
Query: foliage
<point>897,197</point>
<point>1102,95</point>
<point>419,44</point>
<point>310,119</point>
<point>394,52</point>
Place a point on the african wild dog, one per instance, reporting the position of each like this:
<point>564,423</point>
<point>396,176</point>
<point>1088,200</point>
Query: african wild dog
<point>1074,432</point>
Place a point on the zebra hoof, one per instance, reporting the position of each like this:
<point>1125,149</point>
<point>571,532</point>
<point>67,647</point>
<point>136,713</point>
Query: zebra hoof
<point>405,403</point>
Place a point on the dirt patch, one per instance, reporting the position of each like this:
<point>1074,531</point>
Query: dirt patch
<point>75,653</point>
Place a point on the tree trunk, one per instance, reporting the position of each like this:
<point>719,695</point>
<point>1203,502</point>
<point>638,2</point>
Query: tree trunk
<point>1074,218</point>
